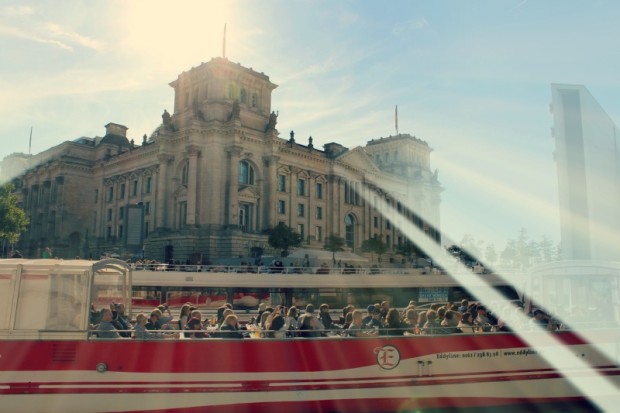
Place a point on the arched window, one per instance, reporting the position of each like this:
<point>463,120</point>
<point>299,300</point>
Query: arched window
<point>349,222</point>
<point>246,173</point>
<point>244,96</point>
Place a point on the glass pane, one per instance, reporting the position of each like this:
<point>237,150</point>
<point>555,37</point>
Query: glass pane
<point>6,291</point>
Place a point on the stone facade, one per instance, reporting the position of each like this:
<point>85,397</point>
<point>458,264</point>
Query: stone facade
<point>214,176</point>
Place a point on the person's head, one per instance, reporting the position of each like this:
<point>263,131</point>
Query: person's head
<point>106,315</point>
<point>324,308</point>
<point>539,314</point>
<point>155,316</point>
<point>185,310</point>
<point>370,309</point>
<point>466,318</point>
<point>481,310</point>
<point>196,314</point>
<point>441,311</point>
<point>292,312</point>
<point>412,303</point>
<point>464,303</point>
<point>431,315</point>
<point>392,318</point>
<point>356,316</point>
<point>229,305</point>
<point>385,305</point>
<point>227,312</point>
<point>411,315</point>
<point>141,319</point>
<point>231,320</point>
<point>309,309</point>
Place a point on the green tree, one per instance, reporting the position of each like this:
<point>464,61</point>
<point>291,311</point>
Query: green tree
<point>283,237</point>
<point>13,219</point>
<point>334,244</point>
<point>375,245</point>
<point>410,251</point>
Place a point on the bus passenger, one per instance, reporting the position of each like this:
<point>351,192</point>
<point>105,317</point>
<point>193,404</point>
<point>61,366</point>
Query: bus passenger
<point>141,333</point>
<point>356,327</point>
<point>392,326</point>
<point>106,329</point>
<point>197,329</point>
<point>466,325</point>
<point>230,327</point>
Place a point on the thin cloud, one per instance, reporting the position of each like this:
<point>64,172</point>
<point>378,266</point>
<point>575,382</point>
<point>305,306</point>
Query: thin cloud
<point>19,33</point>
<point>16,11</point>
<point>73,37</point>
<point>418,23</point>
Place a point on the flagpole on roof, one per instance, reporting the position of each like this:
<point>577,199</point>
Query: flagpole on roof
<point>224,43</point>
<point>396,119</point>
<point>30,143</point>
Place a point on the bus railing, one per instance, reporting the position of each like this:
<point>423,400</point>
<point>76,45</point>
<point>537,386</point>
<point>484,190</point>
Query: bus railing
<point>267,269</point>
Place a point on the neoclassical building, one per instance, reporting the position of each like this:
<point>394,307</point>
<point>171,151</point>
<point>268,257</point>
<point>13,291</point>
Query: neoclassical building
<point>214,176</point>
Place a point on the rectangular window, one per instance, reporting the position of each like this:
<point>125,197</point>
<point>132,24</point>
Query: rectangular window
<point>121,195</point>
<point>300,231</point>
<point>375,221</point>
<point>120,232</point>
<point>388,241</point>
<point>346,192</point>
<point>147,208</point>
<point>96,195</point>
<point>300,210</point>
<point>146,229</point>
<point>301,187</point>
<point>319,233</point>
<point>281,183</point>
<point>109,233</point>
<point>388,224</point>
<point>319,191</point>
<point>109,214</point>
<point>121,213</point>
<point>281,207</point>
<point>148,184</point>
<point>182,214</point>
<point>319,213</point>
<point>110,193</point>
<point>134,189</point>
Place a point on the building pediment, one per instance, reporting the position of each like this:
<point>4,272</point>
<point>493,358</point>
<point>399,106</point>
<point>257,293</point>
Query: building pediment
<point>358,159</point>
<point>248,193</point>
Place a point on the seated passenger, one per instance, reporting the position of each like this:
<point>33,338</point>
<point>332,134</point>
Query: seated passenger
<point>449,323</point>
<point>432,324</point>
<point>356,329</point>
<point>375,319</point>
<point>392,326</point>
<point>275,324</point>
<point>106,329</point>
<point>163,308</point>
<point>309,326</point>
<point>484,321</point>
<point>195,329</point>
<point>325,318</point>
<point>141,333</point>
<point>230,327</point>
<point>154,323</point>
<point>466,325</point>
<point>120,320</point>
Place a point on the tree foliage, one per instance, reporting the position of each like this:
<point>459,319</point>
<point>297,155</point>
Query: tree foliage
<point>13,219</point>
<point>334,244</point>
<point>410,250</point>
<point>283,237</point>
<point>375,245</point>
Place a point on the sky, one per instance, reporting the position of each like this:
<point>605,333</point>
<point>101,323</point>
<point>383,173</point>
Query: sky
<point>472,78</point>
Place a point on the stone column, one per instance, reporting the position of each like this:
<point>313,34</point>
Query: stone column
<point>192,154</point>
<point>161,210</point>
<point>270,181</point>
<point>232,206</point>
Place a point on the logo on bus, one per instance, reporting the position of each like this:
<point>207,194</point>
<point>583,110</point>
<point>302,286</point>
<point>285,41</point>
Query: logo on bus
<point>388,357</point>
